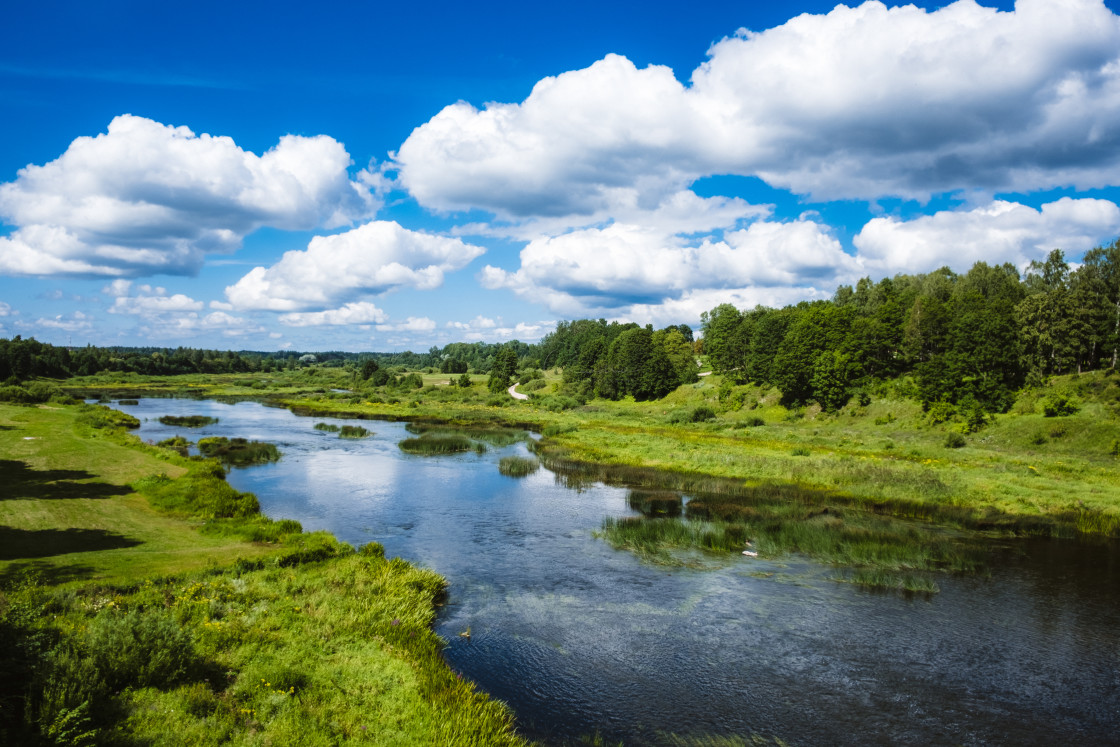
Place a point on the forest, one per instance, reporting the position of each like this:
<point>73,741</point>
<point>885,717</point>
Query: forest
<point>963,341</point>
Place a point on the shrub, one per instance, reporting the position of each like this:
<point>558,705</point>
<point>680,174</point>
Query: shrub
<point>955,441</point>
<point>754,421</point>
<point>1058,405</point>
<point>800,451</point>
<point>176,443</point>
<point>140,648</point>
<point>941,412</point>
<point>465,381</point>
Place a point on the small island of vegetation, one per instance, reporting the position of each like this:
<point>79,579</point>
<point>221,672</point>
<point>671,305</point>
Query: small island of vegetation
<point>188,421</point>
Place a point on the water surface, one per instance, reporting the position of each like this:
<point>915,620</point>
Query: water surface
<point>579,638</point>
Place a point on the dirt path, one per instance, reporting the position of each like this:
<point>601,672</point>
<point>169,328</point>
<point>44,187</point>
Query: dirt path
<point>516,394</point>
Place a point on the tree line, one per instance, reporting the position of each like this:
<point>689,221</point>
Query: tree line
<point>971,339</point>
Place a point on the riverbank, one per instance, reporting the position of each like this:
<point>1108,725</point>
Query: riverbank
<point>146,601</point>
<point>1021,472</point>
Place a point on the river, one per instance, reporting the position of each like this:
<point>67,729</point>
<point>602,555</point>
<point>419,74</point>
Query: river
<point>581,639</point>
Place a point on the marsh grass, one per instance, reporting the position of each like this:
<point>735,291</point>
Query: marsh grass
<point>188,421</point>
<point>178,444</point>
<point>518,466</point>
<point>328,427</point>
<point>655,503</point>
<point>437,442</point>
<point>238,452</point>
<point>354,431</point>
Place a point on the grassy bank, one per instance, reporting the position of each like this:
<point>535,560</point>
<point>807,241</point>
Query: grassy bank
<point>145,601</point>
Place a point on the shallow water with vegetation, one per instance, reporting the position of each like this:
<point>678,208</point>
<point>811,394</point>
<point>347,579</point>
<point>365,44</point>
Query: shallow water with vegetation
<point>579,637</point>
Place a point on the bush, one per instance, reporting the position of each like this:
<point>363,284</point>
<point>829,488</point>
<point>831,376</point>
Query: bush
<point>1058,405</point>
<point>754,421</point>
<point>955,441</point>
<point>941,412</point>
<point>140,648</point>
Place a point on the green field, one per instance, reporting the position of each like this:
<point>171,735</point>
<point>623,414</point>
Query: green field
<point>144,601</point>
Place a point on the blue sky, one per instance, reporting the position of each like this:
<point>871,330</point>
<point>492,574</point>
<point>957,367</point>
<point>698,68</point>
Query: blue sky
<point>365,177</point>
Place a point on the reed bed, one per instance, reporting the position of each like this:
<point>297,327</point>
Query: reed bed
<point>238,451</point>
<point>187,421</point>
<point>354,431</point>
<point>518,466</point>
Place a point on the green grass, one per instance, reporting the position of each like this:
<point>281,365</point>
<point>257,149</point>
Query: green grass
<point>517,466</point>
<point>145,601</point>
<point>187,421</point>
<point>435,443</point>
<point>884,455</point>
<point>354,431</point>
<point>328,427</point>
<point>238,451</point>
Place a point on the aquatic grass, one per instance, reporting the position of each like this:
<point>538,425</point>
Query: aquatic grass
<point>434,443</point>
<point>518,466</point>
<point>188,421</point>
<point>655,503</point>
<point>238,452</point>
<point>328,427</point>
<point>354,431</point>
<point>178,444</point>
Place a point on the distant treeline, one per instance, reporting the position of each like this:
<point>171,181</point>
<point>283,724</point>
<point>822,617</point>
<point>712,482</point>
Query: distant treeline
<point>964,339</point>
<point>970,340</point>
<point>23,359</point>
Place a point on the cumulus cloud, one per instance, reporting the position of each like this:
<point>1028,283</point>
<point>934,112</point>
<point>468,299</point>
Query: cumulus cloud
<point>75,322</point>
<point>861,102</point>
<point>374,258</point>
<point>624,266</point>
<point>168,316</point>
<point>411,324</point>
<point>485,329</point>
<point>359,312</point>
<point>145,198</point>
<point>5,309</point>
<point>995,233</point>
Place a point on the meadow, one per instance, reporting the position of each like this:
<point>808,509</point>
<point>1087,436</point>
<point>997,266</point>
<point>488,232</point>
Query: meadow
<point>891,476</point>
<point>145,601</point>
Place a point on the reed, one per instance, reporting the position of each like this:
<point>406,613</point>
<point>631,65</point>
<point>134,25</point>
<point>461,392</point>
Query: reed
<point>354,431</point>
<point>328,427</point>
<point>238,451</point>
<point>518,466</point>
<point>187,421</point>
<point>434,443</point>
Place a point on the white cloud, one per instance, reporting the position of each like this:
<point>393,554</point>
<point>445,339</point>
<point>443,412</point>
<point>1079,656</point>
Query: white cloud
<point>860,103</point>
<point>147,198</point>
<point>374,258</point>
<point>995,233</point>
<point>5,309</point>
<point>75,322</point>
<point>359,312</point>
<point>594,271</point>
<point>149,301</point>
<point>412,324</point>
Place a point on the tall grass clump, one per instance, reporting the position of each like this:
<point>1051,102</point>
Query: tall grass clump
<point>518,466</point>
<point>436,442</point>
<point>188,421</point>
<point>328,427</point>
<point>177,444</point>
<point>238,451</point>
<point>655,503</point>
<point>353,431</point>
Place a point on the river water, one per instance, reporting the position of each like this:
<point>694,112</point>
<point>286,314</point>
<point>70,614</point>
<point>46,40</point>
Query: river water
<point>580,639</point>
